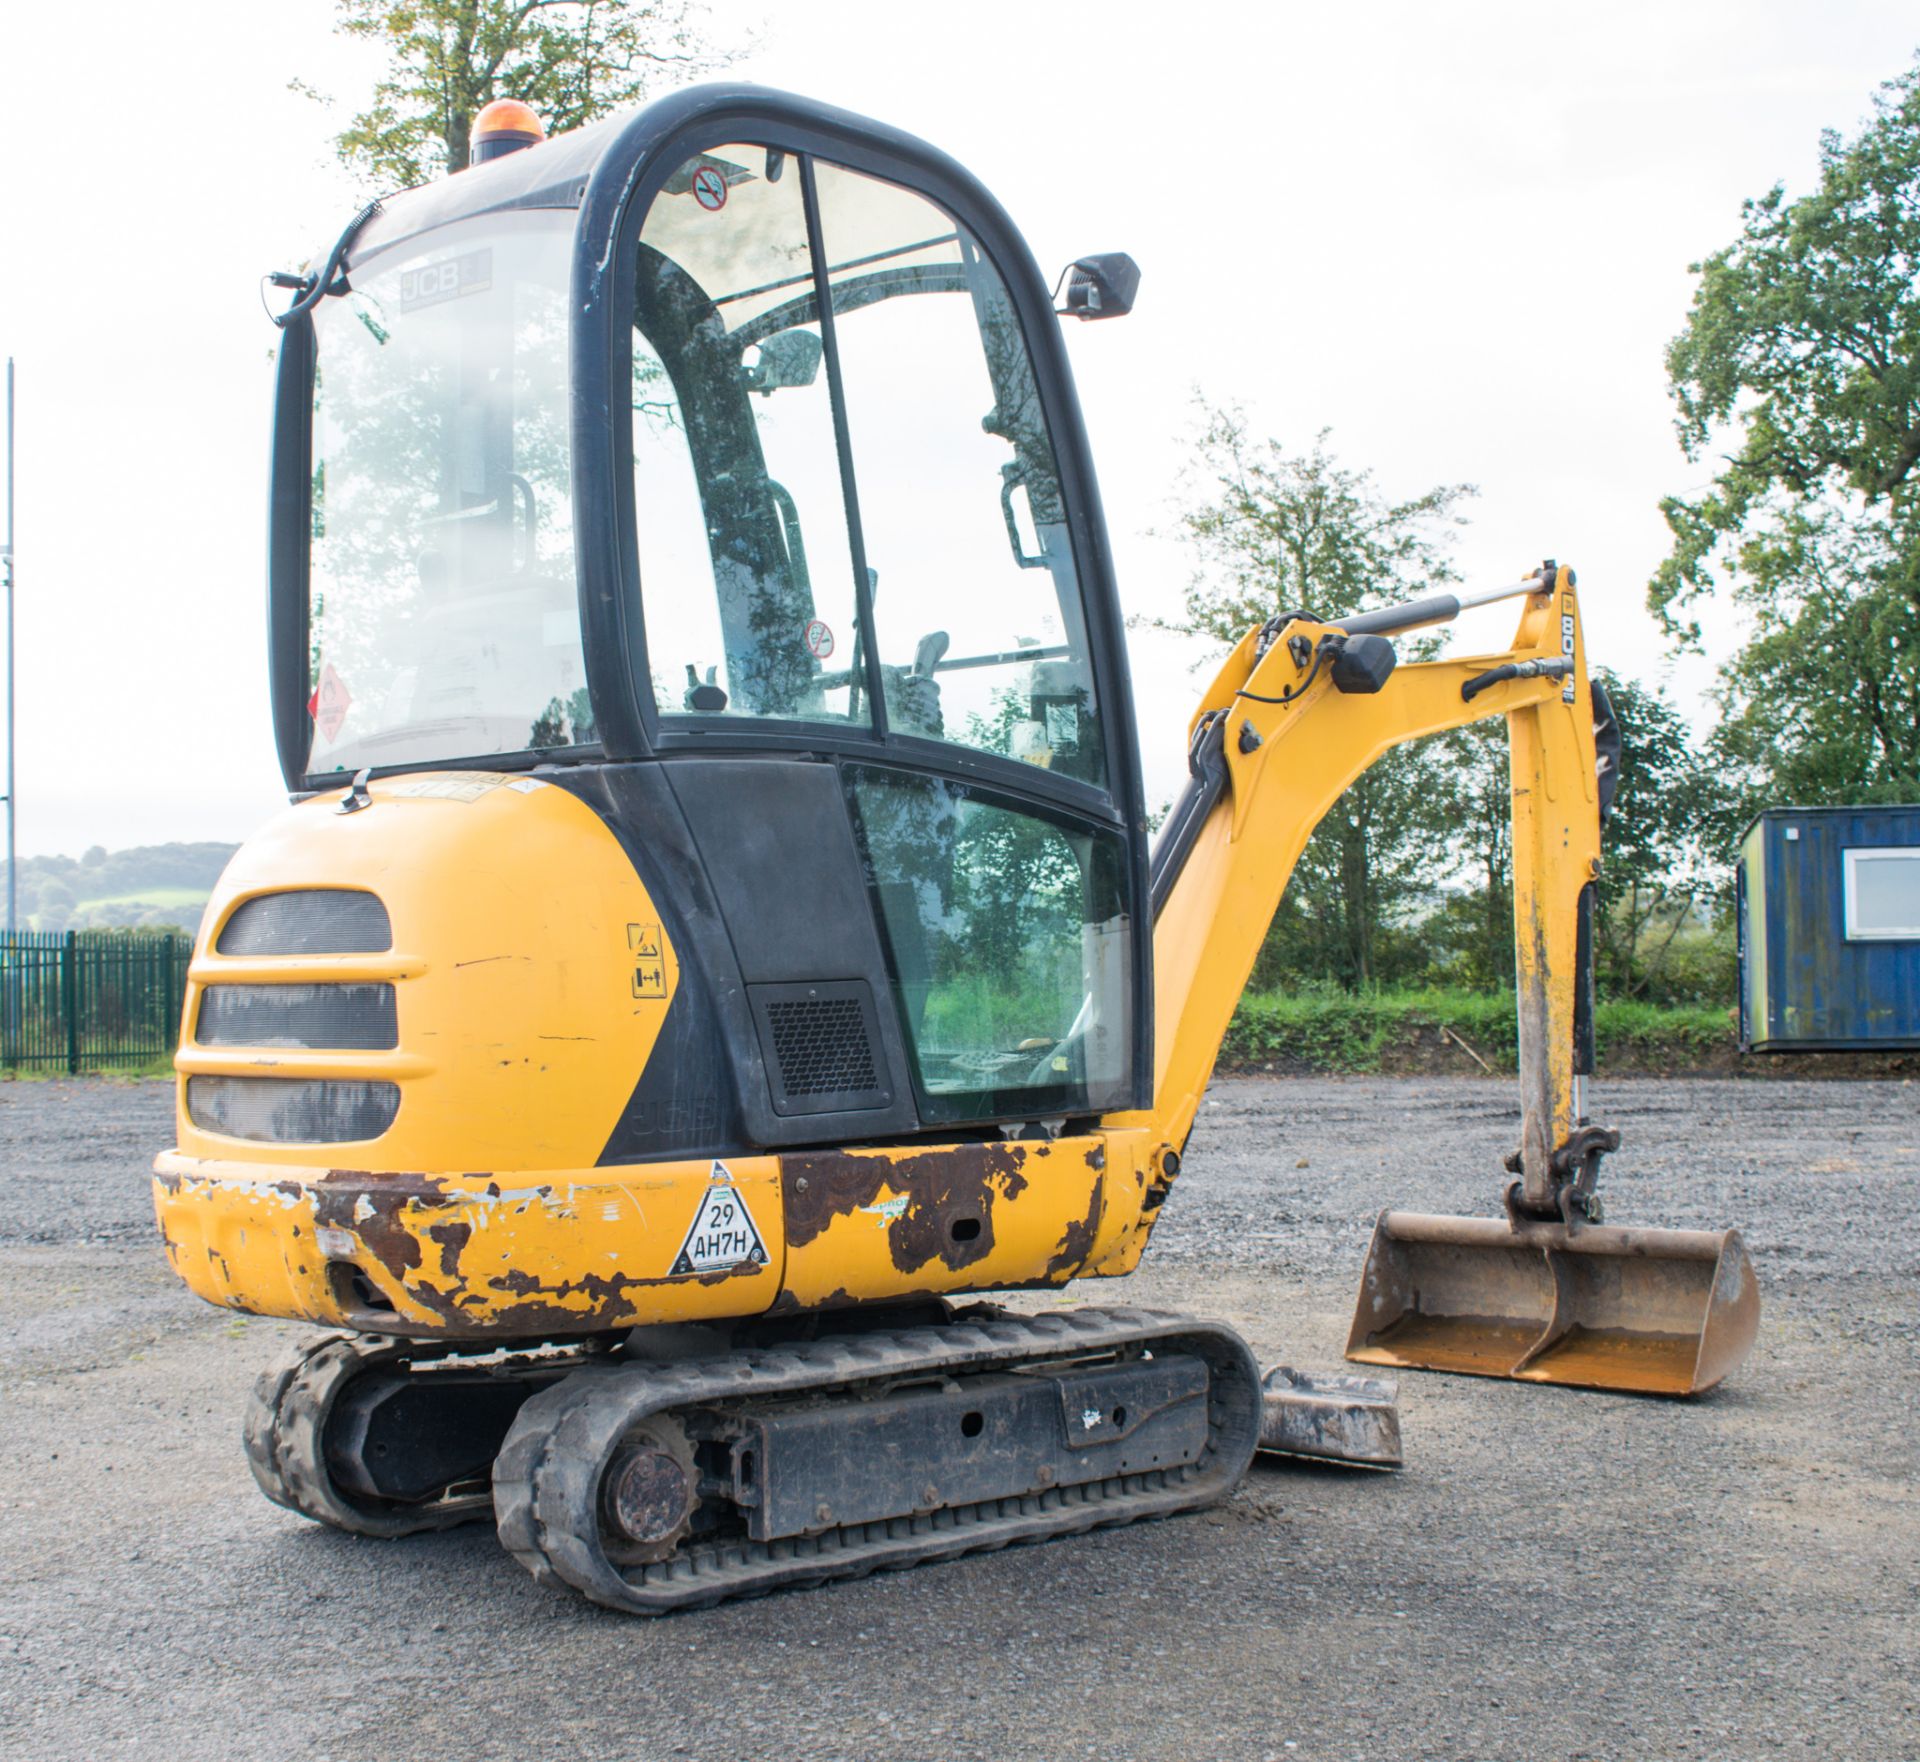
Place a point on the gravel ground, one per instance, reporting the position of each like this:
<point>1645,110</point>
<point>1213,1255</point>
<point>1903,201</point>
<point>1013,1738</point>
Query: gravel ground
<point>1554,1575</point>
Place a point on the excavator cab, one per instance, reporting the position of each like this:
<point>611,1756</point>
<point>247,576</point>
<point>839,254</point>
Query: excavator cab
<point>747,456</point>
<point>714,929</point>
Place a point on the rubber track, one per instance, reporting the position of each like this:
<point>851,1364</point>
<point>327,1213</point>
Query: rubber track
<point>546,1478</point>
<point>286,1426</point>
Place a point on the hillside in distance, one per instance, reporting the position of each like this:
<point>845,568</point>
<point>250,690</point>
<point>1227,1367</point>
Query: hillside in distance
<point>149,886</point>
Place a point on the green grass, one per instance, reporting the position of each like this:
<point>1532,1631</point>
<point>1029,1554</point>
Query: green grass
<point>140,1071</point>
<point>1341,1031</point>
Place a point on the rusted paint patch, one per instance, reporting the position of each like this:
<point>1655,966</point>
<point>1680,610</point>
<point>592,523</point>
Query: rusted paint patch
<point>370,1206</point>
<point>450,1239</point>
<point>955,1186</point>
<point>1076,1241</point>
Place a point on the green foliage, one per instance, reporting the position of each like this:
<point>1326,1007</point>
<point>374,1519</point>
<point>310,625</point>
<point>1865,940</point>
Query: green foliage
<point>1799,368</point>
<point>1328,1030</point>
<point>1665,847</point>
<point>1471,932</point>
<point>572,60</point>
<point>1275,531</point>
<point>150,886</point>
<point>1408,882</point>
<point>1331,1030</point>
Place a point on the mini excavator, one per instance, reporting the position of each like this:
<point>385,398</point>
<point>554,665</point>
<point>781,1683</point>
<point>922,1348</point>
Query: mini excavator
<point>715,927</point>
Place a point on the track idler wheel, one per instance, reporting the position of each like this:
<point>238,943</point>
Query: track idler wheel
<point>289,1425</point>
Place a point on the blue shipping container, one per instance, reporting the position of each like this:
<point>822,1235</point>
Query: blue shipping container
<point>1828,903</point>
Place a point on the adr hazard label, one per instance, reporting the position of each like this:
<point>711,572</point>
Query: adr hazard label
<point>723,1233</point>
<point>331,701</point>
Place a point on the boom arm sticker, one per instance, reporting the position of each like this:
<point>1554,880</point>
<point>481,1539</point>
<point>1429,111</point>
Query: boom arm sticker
<point>723,1234</point>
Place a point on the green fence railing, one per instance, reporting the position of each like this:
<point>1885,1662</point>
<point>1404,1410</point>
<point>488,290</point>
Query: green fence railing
<point>81,1000</point>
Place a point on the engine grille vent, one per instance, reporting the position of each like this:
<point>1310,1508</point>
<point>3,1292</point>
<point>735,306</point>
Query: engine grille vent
<point>339,1018</point>
<point>312,920</point>
<point>821,1048</point>
<point>818,1042</point>
<point>292,1110</point>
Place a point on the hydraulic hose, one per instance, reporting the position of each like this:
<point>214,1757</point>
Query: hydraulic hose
<point>315,288</point>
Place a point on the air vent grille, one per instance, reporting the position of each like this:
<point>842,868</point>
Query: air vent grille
<point>339,1018</point>
<point>312,920</point>
<point>820,1046</point>
<point>292,1110</point>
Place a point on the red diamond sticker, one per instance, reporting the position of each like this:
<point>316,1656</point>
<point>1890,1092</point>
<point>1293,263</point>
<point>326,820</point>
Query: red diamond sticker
<point>331,702</point>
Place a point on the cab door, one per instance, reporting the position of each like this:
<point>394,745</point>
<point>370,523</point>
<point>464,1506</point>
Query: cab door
<point>867,542</point>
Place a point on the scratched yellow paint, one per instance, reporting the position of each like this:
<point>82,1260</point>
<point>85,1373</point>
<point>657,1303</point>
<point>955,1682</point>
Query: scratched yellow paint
<point>547,1251</point>
<point>1036,1215</point>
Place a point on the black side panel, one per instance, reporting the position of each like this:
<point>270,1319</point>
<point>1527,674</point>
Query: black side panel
<point>779,852</point>
<point>683,1105</point>
<point>706,1090</point>
<point>777,844</point>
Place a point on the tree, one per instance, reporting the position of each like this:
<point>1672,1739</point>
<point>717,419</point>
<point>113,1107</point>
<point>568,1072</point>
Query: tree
<point>1801,353</point>
<point>572,60</point>
<point>1276,531</point>
<point>1475,799</point>
<point>1662,856</point>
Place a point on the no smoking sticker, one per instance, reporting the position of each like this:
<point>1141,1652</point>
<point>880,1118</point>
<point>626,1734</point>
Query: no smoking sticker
<point>710,188</point>
<point>819,640</point>
<point>723,1234</point>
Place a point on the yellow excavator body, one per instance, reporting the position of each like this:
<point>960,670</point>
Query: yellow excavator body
<point>638,1072</point>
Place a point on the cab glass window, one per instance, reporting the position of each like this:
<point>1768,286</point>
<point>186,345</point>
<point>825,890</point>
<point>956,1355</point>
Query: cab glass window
<point>767,546</point>
<point>746,567</point>
<point>444,611</point>
<point>976,602</point>
<point>1008,940</point>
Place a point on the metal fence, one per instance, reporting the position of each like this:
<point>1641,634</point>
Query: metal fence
<point>84,1000</point>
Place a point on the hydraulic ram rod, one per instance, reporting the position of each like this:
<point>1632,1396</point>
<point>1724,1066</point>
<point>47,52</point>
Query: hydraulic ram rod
<point>1439,608</point>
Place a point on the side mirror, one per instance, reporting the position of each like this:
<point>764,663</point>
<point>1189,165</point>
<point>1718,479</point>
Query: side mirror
<point>788,357</point>
<point>1102,286</point>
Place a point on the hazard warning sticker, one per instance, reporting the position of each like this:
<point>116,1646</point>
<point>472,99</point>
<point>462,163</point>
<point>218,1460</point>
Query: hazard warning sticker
<point>644,943</point>
<point>331,701</point>
<point>723,1234</point>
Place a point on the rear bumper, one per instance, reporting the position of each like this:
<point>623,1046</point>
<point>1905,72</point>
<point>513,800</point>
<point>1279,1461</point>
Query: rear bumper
<point>544,1253</point>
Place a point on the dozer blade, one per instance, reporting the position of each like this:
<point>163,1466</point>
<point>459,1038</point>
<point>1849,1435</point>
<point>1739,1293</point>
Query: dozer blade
<point>1330,1418</point>
<point>1652,1312</point>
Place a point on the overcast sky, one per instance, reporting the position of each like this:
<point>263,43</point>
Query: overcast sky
<point>1457,235</point>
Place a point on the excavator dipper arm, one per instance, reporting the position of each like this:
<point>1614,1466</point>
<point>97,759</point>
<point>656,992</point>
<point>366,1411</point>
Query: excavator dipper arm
<point>1300,709</point>
<point>1291,731</point>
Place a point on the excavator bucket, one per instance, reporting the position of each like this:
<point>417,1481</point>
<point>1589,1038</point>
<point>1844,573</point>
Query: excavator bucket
<point>1650,1312</point>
